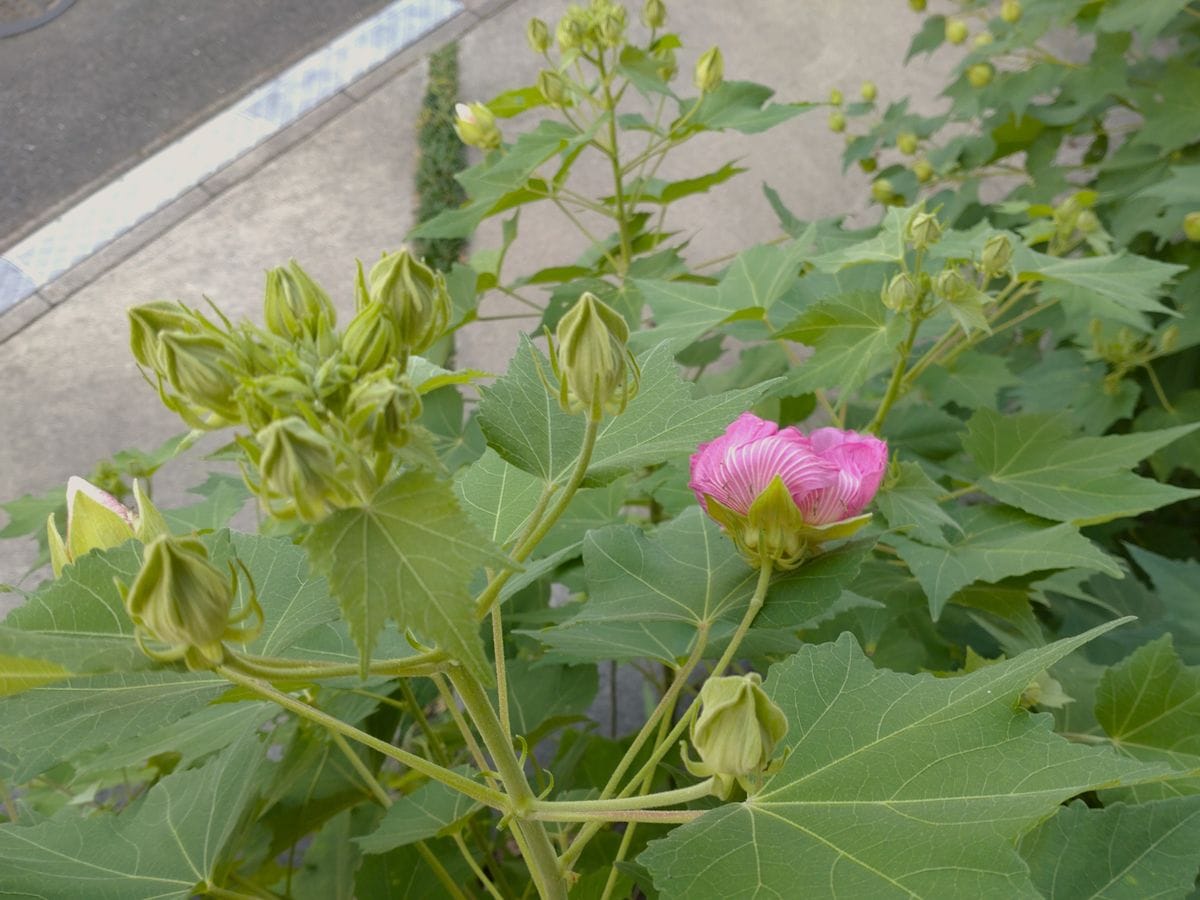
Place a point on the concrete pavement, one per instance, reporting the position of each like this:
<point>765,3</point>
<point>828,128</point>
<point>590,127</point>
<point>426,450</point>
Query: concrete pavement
<point>338,185</point>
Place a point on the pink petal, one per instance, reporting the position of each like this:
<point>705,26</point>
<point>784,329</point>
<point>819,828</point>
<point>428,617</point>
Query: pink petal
<point>77,485</point>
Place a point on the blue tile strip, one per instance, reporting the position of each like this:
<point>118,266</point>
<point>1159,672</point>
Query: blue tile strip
<point>151,185</point>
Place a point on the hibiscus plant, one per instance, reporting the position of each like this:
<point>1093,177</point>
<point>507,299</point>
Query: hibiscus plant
<point>888,526</point>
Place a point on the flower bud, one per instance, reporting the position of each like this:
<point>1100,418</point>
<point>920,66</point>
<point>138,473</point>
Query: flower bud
<point>1191,226</point>
<point>1168,340</point>
<point>906,143</point>
<point>917,5</point>
<point>996,256</point>
<point>737,730</point>
<point>417,297</point>
<point>476,126</point>
<point>868,91</point>
<point>571,31</point>
<point>868,164</point>
<point>654,14</point>
<point>835,97</point>
<point>181,599</point>
<point>380,409</point>
<point>882,190</point>
<point>96,520</point>
<point>538,35</point>
<point>596,371</point>
<point>372,338</point>
<point>923,170</point>
<point>610,25</point>
<point>147,324</point>
<point>203,369</point>
<point>710,71</point>
<point>1010,11</point>
<point>550,85</point>
<point>901,293</point>
<point>295,307</point>
<point>980,75</point>
<point>923,231</point>
<point>1087,222</point>
<point>837,121</point>
<point>956,31</point>
<point>299,467</point>
<point>983,39</point>
<point>951,285</point>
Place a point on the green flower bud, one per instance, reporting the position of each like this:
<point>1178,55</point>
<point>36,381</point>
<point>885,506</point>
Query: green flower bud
<point>923,170</point>
<point>835,97</point>
<point>868,164</point>
<point>181,599</point>
<point>882,190</point>
<point>1168,340</point>
<point>1010,11</point>
<point>147,324</point>
<point>901,293</point>
<point>372,338</point>
<point>1191,226</point>
<point>295,307</point>
<point>1087,222</point>
<point>906,143</point>
<point>956,31</point>
<point>538,35</point>
<point>380,409</point>
<point>980,75</point>
<point>923,231</point>
<point>596,371</point>
<point>551,85</point>
<point>837,121</point>
<point>571,31</point>
<point>96,520</point>
<point>952,286</point>
<point>417,297</point>
<point>476,126</point>
<point>610,25</point>
<point>996,256</point>
<point>983,39</point>
<point>710,71</point>
<point>737,730</point>
<point>868,91</point>
<point>654,14</point>
<point>203,368</point>
<point>299,469</point>
<point>917,5</point>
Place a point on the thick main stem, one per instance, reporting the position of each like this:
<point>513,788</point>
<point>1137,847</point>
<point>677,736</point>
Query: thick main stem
<point>893,388</point>
<point>540,856</point>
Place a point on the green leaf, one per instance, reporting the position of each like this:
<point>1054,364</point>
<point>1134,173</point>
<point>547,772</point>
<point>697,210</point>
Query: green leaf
<point>649,594</point>
<point>683,311</point>
<point>18,673</point>
<point>1171,107</point>
<point>1184,453</point>
<point>224,496</point>
<point>1034,462</point>
<point>543,697</point>
<point>170,844</point>
<point>998,542</point>
<point>656,190</point>
<point>526,426</point>
<point>1063,380</point>
<point>403,874</point>
<point>887,245</point>
<point>498,496</point>
<point>1121,852</point>
<point>972,381</point>
<point>738,105</point>
<point>931,36</point>
<point>909,503</point>
<point>761,275</point>
<point>430,810</point>
<point>409,555</point>
<point>852,339</point>
<point>893,785</point>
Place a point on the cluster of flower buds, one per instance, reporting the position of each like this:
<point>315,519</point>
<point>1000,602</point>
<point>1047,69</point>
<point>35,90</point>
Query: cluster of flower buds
<point>326,410</point>
<point>596,371</point>
<point>735,733</point>
<point>589,29</point>
<point>96,520</point>
<point>182,600</point>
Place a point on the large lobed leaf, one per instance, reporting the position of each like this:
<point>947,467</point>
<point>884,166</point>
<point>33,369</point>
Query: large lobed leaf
<point>894,786</point>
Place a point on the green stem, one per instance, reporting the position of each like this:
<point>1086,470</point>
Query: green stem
<point>364,773</point>
<point>439,870</point>
<point>648,801</point>
<point>436,747</point>
<point>539,852</point>
<point>501,669</point>
<point>276,668</point>
<point>614,156</point>
<point>1158,388</point>
<point>476,868</point>
<point>600,819</point>
<point>538,530</point>
<point>893,388</point>
<point>460,783</point>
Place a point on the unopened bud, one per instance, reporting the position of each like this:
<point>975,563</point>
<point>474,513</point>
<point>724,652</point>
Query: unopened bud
<point>380,409</point>
<point>710,71</point>
<point>868,91</point>
<point>923,170</point>
<point>571,31</point>
<point>550,85</point>
<point>917,5</point>
<point>868,164</point>
<point>901,293</point>
<point>737,730</point>
<point>1191,226</point>
<point>951,285</point>
<point>476,126</point>
<point>203,369</point>
<point>980,75</point>
<point>983,39</point>
<point>299,470</point>
<point>996,256</point>
<point>835,97</point>
<point>923,230</point>
<point>1168,339</point>
<point>654,14</point>
<point>596,371</point>
<point>610,25</point>
<point>537,33</point>
<point>417,297</point>
<point>837,121</point>
<point>906,143</point>
<point>147,324</point>
<point>956,31</point>
<point>1087,222</point>
<point>882,190</point>
<point>372,338</point>
<point>295,306</point>
<point>1010,11</point>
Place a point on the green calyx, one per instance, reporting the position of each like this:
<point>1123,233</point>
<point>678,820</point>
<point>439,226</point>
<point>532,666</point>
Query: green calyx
<point>737,731</point>
<point>596,371</point>
<point>416,296</point>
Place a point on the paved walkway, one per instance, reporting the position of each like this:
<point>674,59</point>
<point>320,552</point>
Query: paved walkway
<point>337,185</point>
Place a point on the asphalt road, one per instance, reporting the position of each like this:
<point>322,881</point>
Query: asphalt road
<point>88,95</point>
